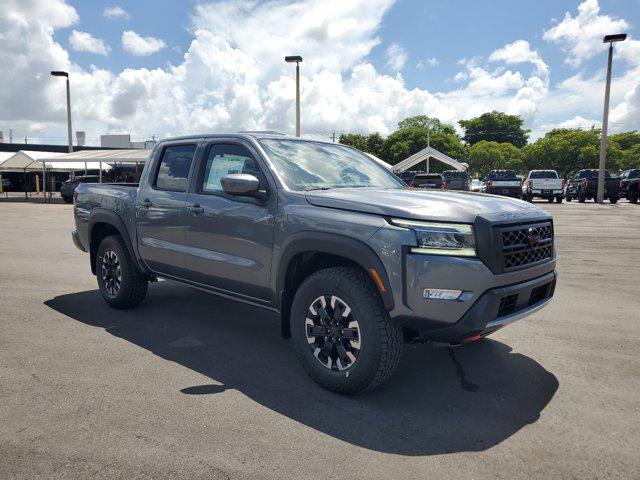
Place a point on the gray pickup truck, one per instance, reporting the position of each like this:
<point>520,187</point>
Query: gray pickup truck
<point>354,262</point>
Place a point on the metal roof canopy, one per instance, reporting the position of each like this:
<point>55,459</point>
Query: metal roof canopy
<point>105,156</point>
<point>425,153</point>
<point>33,161</point>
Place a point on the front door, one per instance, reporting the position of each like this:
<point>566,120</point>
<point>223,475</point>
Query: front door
<point>160,212</point>
<point>230,238</point>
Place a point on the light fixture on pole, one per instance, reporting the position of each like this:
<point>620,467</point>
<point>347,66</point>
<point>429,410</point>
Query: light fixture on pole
<point>610,39</point>
<point>296,59</point>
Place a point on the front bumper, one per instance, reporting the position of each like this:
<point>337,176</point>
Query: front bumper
<point>499,307</point>
<point>77,242</point>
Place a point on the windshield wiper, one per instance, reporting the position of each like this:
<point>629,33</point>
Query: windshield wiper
<point>316,188</point>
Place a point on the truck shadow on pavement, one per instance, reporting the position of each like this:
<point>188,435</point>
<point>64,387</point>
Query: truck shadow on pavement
<point>440,400</point>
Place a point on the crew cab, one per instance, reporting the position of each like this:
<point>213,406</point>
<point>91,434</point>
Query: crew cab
<point>543,184</point>
<point>503,182</point>
<point>630,185</point>
<point>352,260</point>
<point>583,185</point>
<point>455,180</point>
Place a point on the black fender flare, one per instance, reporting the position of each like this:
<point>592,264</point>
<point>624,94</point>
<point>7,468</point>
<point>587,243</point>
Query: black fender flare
<point>102,215</point>
<point>334,244</point>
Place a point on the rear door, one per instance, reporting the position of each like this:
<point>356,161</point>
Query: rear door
<point>230,238</point>
<point>160,211</point>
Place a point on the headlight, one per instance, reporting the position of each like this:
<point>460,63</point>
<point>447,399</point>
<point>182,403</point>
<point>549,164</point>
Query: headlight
<point>441,238</point>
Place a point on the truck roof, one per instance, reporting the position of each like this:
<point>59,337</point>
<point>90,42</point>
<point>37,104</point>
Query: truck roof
<point>246,135</point>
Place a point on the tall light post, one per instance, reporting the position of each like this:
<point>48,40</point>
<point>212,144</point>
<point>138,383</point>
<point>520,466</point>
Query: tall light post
<point>610,39</point>
<point>296,59</point>
<point>66,75</point>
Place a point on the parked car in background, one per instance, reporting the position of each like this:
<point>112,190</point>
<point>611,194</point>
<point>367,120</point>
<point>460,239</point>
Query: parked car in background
<point>476,185</point>
<point>353,261</point>
<point>503,182</point>
<point>630,185</point>
<point>543,184</point>
<point>422,179</point>
<point>455,180</point>
<point>69,186</point>
<point>583,185</point>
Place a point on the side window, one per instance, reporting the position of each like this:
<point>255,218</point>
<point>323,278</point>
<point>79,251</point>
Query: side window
<point>173,171</point>
<point>226,159</point>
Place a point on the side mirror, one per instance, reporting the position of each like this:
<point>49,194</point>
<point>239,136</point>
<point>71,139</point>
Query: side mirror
<point>242,185</point>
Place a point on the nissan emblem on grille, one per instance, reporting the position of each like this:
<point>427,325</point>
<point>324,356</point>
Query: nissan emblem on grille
<point>523,245</point>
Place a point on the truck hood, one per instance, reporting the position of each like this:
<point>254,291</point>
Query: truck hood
<point>426,205</point>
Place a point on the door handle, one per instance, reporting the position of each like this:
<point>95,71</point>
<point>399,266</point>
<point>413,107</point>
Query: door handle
<point>146,203</point>
<point>196,208</point>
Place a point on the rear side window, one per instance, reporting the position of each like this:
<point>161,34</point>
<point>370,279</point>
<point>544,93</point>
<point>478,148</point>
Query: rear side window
<point>227,159</point>
<point>173,171</point>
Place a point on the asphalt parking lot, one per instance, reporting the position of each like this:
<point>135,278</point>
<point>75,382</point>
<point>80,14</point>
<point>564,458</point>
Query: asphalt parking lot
<point>192,386</point>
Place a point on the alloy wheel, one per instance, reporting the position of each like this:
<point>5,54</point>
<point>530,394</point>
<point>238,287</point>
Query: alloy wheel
<point>111,272</point>
<point>333,333</point>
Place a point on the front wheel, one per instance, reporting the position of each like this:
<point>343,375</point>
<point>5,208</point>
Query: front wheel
<point>121,284</point>
<point>581,197</point>
<point>567,197</point>
<point>633,197</point>
<point>342,333</point>
<point>559,199</point>
<point>613,199</point>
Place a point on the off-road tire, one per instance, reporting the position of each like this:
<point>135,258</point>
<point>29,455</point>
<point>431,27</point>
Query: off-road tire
<point>133,283</point>
<point>613,200</point>
<point>381,341</point>
<point>559,199</point>
<point>633,197</point>
<point>581,197</point>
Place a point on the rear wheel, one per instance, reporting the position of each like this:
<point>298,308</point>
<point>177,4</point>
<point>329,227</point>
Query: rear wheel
<point>550,199</point>
<point>633,197</point>
<point>567,197</point>
<point>121,284</point>
<point>613,199</point>
<point>581,197</point>
<point>342,333</point>
<point>559,199</point>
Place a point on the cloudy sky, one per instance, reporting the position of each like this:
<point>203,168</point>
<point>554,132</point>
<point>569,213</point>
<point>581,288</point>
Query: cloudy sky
<point>168,68</point>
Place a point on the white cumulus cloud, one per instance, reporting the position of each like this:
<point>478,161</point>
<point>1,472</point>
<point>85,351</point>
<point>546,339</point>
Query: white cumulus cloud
<point>136,44</point>
<point>85,42</point>
<point>581,35</point>
<point>232,76</point>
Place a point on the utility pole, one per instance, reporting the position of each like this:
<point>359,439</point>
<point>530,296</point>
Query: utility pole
<point>296,59</point>
<point>11,135</point>
<point>333,137</point>
<point>610,39</point>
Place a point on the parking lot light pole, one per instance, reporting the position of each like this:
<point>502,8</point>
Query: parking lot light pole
<point>66,75</point>
<point>296,59</point>
<point>610,39</point>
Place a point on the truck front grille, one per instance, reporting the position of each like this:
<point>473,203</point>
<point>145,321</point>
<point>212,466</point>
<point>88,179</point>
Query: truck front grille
<point>526,245</point>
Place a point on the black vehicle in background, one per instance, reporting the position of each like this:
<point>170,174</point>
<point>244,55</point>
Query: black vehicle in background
<point>421,179</point>
<point>583,185</point>
<point>503,182</point>
<point>630,185</point>
<point>455,180</point>
<point>69,186</point>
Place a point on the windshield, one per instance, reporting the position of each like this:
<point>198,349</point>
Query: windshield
<point>307,165</point>
<point>544,174</point>
<point>502,175</point>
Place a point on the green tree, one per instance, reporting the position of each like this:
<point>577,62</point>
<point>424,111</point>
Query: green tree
<point>423,121</point>
<point>484,156</point>
<point>495,127</point>
<point>567,150</point>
